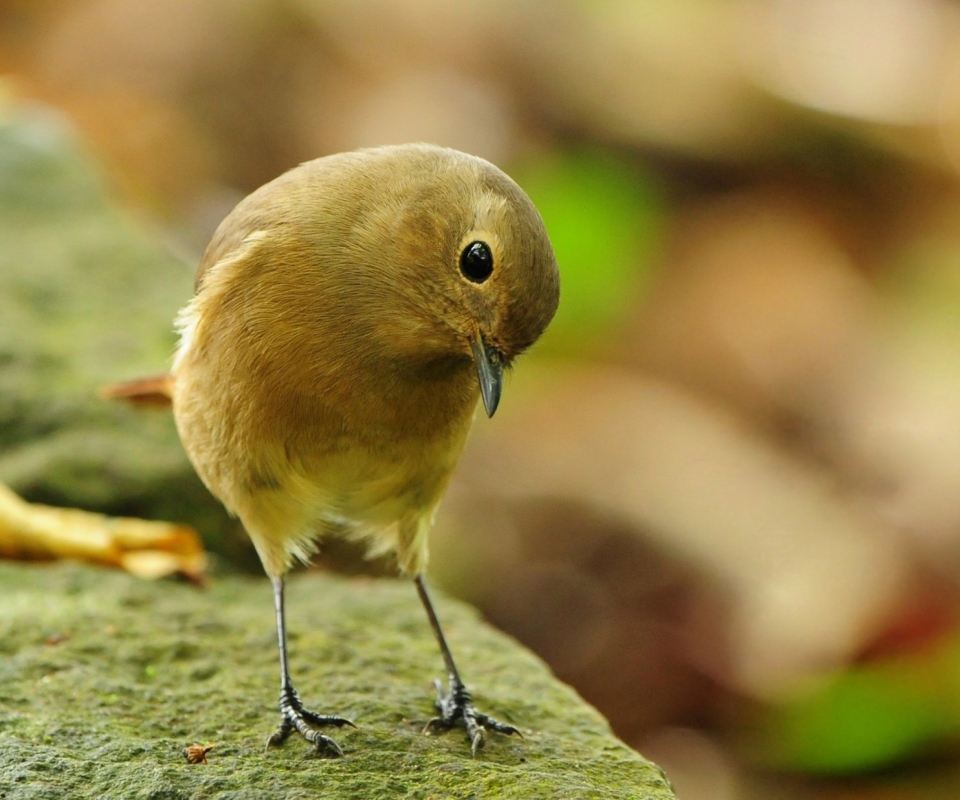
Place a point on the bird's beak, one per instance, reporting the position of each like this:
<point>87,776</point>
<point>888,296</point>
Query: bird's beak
<point>490,373</point>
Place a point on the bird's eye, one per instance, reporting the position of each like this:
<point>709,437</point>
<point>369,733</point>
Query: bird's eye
<point>476,262</point>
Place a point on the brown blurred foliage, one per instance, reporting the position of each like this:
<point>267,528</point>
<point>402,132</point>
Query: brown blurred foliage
<point>750,474</point>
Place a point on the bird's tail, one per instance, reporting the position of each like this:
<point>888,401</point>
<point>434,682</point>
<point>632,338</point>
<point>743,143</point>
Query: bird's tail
<point>154,390</point>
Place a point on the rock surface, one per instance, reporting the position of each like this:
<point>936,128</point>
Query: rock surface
<point>104,680</point>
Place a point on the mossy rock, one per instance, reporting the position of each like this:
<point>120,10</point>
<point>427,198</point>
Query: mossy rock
<point>104,680</point>
<point>88,295</point>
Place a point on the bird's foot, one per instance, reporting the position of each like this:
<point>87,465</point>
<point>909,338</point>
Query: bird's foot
<point>456,707</point>
<point>293,716</point>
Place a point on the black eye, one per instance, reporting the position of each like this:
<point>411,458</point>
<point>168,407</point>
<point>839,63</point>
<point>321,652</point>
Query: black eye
<point>476,262</point>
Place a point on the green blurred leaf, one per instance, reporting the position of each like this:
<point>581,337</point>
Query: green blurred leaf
<point>604,218</point>
<point>872,716</point>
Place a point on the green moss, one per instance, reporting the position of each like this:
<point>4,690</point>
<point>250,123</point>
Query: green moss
<point>149,668</point>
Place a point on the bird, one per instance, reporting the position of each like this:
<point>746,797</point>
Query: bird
<point>348,320</point>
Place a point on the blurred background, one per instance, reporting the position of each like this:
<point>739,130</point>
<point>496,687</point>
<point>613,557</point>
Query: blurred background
<point>722,496</point>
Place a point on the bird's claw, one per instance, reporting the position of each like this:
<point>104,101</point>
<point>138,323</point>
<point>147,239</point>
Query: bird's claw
<point>456,706</point>
<point>293,716</point>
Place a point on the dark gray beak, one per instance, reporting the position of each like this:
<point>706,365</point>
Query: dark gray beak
<point>490,373</point>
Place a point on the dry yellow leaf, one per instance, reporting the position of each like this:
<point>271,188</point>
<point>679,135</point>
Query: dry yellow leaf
<point>148,549</point>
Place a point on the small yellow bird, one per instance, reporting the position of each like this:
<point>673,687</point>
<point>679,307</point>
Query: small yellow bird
<point>347,318</point>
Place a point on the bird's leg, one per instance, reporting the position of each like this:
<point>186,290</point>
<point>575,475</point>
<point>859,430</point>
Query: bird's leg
<point>455,703</point>
<point>293,716</point>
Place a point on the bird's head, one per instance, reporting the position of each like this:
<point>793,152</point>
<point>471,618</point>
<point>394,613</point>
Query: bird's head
<point>483,265</point>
